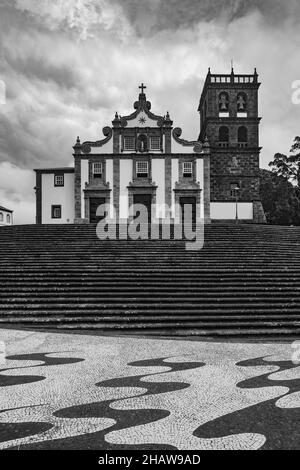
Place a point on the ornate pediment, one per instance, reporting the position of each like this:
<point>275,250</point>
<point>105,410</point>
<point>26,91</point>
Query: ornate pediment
<point>142,116</point>
<point>142,131</point>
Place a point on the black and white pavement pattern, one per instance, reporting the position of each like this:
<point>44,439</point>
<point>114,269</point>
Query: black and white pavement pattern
<point>79,391</point>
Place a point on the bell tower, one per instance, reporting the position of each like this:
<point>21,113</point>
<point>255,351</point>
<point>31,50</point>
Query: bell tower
<point>229,120</point>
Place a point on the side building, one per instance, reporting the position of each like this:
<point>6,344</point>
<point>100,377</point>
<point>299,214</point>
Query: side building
<point>6,216</point>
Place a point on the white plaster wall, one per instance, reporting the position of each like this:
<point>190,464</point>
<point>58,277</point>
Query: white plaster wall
<point>148,122</point>
<point>4,221</point>
<point>58,195</point>
<point>106,148</point>
<point>227,210</point>
<point>158,177</point>
<point>125,178</point>
<point>175,176</point>
<point>178,148</point>
<point>84,179</point>
<point>110,180</point>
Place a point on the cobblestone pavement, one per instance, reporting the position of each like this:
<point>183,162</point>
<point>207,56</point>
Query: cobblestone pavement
<point>71,391</point>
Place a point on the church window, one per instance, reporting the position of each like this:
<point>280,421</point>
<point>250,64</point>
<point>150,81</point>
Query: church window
<point>1,217</point>
<point>97,170</point>
<point>187,169</point>
<point>142,169</point>
<point>8,218</point>
<point>242,136</point>
<point>223,136</point>
<point>234,189</point>
<point>59,180</point>
<point>129,142</point>
<point>154,143</point>
<point>56,212</point>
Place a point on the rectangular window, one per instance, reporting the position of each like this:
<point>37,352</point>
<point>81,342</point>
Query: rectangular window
<point>129,142</point>
<point>59,180</point>
<point>187,169</point>
<point>154,143</point>
<point>56,212</point>
<point>234,189</point>
<point>97,170</point>
<point>142,169</point>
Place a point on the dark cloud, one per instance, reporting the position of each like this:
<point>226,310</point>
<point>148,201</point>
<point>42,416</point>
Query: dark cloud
<point>37,68</point>
<point>157,15</point>
<point>68,66</point>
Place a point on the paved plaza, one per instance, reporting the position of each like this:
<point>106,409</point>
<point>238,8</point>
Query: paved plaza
<point>85,391</point>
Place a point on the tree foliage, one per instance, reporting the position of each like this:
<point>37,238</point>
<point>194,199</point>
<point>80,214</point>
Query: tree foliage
<point>280,198</point>
<point>288,166</point>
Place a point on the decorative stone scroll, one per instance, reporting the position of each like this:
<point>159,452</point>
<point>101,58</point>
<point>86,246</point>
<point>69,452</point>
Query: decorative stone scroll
<point>198,146</point>
<point>87,146</point>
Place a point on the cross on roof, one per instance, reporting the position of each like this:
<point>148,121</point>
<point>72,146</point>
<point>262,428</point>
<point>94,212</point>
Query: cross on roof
<point>142,87</point>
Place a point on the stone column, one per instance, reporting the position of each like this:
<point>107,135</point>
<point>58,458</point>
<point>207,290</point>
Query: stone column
<point>77,181</point>
<point>77,188</point>
<point>168,145</point>
<point>206,192</point>
<point>168,185</point>
<point>116,186</point>
<point>38,195</point>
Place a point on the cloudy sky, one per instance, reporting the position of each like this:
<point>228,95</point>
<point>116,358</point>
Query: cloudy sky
<point>68,65</point>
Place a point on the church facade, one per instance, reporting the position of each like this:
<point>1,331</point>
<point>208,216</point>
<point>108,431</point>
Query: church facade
<point>143,159</point>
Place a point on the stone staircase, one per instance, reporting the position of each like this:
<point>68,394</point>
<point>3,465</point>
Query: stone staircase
<point>245,281</point>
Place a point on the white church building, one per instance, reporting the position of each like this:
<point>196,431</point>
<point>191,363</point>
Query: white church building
<point>143,159</point>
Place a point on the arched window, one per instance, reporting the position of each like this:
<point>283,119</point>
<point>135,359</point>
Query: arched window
<point>1,217</point>
<point>242,136</point>
<point>8,218</point>
<point>242,102</point>
<point>223,102</point>
<point>223,136</point>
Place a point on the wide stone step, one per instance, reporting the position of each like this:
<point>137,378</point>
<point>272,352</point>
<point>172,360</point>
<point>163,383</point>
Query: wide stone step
<point>199,328</point>
<point>100,295</point>
<point>154,315</point>
<point>144,288</point>
<point>147,310</point>
<point>212,272</point>
<point>245,281</point>
<point>107,323</point>
<point>157,301</point>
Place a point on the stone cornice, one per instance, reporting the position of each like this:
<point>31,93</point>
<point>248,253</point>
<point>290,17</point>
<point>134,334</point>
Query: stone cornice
<point>129,156</point>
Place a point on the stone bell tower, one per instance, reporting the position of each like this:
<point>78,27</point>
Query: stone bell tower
<point>229,120</point>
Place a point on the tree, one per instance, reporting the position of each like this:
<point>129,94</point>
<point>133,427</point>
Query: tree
<point>280,199</point>
<point>288,167</point>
